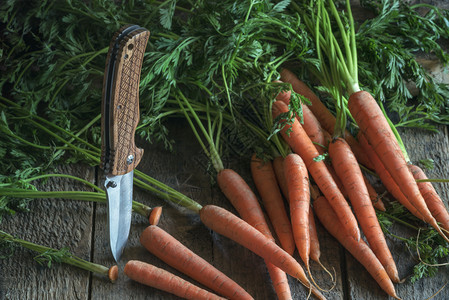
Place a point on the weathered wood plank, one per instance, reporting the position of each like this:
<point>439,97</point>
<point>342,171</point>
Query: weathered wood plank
<point>54,223</point>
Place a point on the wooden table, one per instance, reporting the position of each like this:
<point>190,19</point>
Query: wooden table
<point>83,228</point>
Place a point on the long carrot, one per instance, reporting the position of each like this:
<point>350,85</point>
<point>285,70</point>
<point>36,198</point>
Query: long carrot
<point>247,205</point>
<point>386,178</point>
<point>280,283</point>
<point>163,280</point>
<point>315,252</point>
<point>278,166</point>
<point>375,199</point>
<point>266,183</point>
<point>299,198</point>
<point>378,133</point>
<point>229,225</point>
<point>359,250</point>
<point>347,168</point>
<point>322,113</point>
<point>171,251</point>
<point>430,195</point>
<point>300,143</point>
<point>310,123</point>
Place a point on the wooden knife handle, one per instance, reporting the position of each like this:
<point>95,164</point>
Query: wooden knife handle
<point>120,104</point>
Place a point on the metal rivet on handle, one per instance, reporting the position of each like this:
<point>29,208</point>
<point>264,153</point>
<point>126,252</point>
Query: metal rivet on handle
<point>130,159</point>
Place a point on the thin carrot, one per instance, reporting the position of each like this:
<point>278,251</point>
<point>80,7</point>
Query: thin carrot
<point>322,113</point>
<point>278,166</point>
<point>375,199</point>
<point>315,252</point>
<point>430,195</point>
<point>280,282</point>
<point>299,198</point>
<point>386,178</point>
<point>243,199</point>
<point>297,139</point>
<point>266,183</point>
<point>229,225</point>
<point>347,168</point>
<point>359,250</point>
<point>163,280</point>
<point>380,136</point>
<point>247,205</point>
<point>310,123</point>
<point>171,251</point>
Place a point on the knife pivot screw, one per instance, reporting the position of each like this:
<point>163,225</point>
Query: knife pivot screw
<point>130,159</point>
<point>111,184</point>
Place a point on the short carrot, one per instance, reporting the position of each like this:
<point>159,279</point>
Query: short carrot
<point>229,225</point>
<point>430,195</point>
<point>155,215</point>
<point>297,139</point>
<point>299,198</point>
<point>266,183</point>
<point>380,136</point>
<point>322,113</point>
<point>163,280</point>
<point>171,251</point>
<point>247,205</point>
<point>348,170</point>
<point>359,250</point>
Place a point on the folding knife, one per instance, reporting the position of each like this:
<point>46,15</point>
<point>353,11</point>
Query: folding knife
<point>119,119</point>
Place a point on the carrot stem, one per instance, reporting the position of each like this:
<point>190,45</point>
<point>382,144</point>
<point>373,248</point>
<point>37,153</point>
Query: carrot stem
<point>66,256</point>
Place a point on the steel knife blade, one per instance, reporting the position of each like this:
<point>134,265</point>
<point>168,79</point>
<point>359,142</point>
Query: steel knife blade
<point>119,119</point>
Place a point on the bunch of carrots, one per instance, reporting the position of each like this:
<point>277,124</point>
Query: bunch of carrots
<point>343,199</point>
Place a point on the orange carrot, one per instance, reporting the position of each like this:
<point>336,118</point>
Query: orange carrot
<point>297,139</point>
<point>155,215</point>
<point>299,199</point>
<point>243,199</point>
<point>386,178</point>
<point>311,125</point>
<point>430,195</point>
<point>171,251</point>
<point>231,226</point>
<point>280,282</point>
<point>379,135</point>
<point>324,116</point>
<point>163,280</point>
<point>245,202</point>
<point>315,252</point>
<point>266,183</point>
<point>347,168</point>
<point>278,166</point>
<point>359,250</point>
<point>375,199</point>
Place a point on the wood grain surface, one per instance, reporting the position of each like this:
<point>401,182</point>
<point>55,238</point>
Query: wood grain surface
<point>82,227</point>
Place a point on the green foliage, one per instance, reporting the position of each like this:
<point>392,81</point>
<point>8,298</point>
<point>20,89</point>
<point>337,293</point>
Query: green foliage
<point>388,46</point>
<point>53,256</point>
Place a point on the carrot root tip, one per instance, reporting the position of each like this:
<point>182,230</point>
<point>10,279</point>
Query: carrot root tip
<point>113,273</point>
